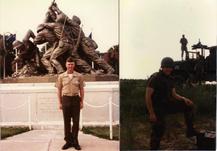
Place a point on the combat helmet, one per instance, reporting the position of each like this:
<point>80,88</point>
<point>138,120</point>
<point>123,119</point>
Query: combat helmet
<point>76,19</point>
<point>167,62</point>
<point>17,44</point>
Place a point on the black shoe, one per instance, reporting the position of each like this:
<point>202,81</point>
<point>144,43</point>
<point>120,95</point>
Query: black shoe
<point>77,147</point>
<point>66,146</point>
<point>191,133</point>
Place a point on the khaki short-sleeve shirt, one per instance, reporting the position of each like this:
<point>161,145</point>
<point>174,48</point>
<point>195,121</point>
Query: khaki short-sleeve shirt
<point>70,86</point>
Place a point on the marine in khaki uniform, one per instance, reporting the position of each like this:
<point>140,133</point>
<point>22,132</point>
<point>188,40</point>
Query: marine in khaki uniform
<point>70,85</point>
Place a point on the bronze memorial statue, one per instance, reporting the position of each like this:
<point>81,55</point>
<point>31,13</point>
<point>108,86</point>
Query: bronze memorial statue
<point>62,37</point>
<point>27,56</point>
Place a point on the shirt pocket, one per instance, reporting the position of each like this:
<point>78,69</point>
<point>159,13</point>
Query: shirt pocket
<point>66,81</point>
<point>75,82</point>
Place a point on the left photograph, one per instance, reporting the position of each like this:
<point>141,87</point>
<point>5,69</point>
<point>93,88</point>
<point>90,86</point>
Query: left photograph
<point>59,75</point>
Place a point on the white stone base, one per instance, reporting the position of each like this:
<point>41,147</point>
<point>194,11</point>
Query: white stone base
<point>36,104</point>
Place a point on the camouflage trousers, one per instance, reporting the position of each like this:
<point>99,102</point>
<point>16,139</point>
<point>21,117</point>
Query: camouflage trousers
<point>161,111</point>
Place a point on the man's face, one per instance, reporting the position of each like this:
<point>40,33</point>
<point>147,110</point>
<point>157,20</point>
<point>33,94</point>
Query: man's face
<point>167,71</point>
<point>70,66</point>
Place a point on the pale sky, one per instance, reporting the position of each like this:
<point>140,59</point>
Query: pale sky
<point>151,30</point>
<point>98,16</point>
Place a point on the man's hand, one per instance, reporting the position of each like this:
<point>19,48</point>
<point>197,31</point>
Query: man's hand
<point>153,117</point>
<point>187,101</point>
<point>55,9</point>
<point>81,104</point>
<point>54,3</point>
<point>60,106</point>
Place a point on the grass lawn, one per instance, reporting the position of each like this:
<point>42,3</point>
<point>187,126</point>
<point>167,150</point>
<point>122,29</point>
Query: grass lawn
<point>10,131</point>
<point>136,135</point>
<point>135,127</point>
<point>102,132</point>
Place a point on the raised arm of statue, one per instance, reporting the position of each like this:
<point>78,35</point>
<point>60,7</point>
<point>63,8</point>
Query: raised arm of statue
<point>29,35</point>
<point>49,25</point>
<point>50,16</point>
<point>62,17</point>
<point>56,9</point>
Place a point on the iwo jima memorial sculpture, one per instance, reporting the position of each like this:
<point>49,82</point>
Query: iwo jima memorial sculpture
<point>61,36</point>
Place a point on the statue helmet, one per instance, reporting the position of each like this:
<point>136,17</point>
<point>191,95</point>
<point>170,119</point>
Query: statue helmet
<point>17,44</point>
<point>40,27</point>
<point>60,18</point>
<point>167,62</point>
<point>76,19</point>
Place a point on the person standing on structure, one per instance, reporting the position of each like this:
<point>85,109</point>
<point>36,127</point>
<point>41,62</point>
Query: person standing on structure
<point>184,48</point>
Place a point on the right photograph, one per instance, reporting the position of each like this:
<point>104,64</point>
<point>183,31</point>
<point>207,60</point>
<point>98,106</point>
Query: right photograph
<point>168,75</point>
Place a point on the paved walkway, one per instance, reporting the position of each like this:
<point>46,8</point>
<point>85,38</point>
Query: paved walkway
<point>52,140</point>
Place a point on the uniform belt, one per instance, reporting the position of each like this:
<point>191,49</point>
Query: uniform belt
<point>74,95</point>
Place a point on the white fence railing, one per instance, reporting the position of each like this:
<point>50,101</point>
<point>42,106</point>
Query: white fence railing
<point>27,103</point>
<point>109,104</point>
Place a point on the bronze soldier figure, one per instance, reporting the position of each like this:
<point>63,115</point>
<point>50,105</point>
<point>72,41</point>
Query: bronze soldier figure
<point>45,35</point>
<point>48,35</point>
<point>27,50</point>
<point>65,44</point>
<point>88,45</point>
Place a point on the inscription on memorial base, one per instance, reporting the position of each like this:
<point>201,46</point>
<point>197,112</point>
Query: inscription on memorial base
<point>47,108</point>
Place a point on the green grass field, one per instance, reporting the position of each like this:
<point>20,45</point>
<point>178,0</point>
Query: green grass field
<point>102,132</point>
<point>135,127</point>
<point>10,131</point>
<point>136,135</point>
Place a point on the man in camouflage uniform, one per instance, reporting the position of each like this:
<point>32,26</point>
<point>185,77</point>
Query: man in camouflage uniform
<point>87,44</point>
